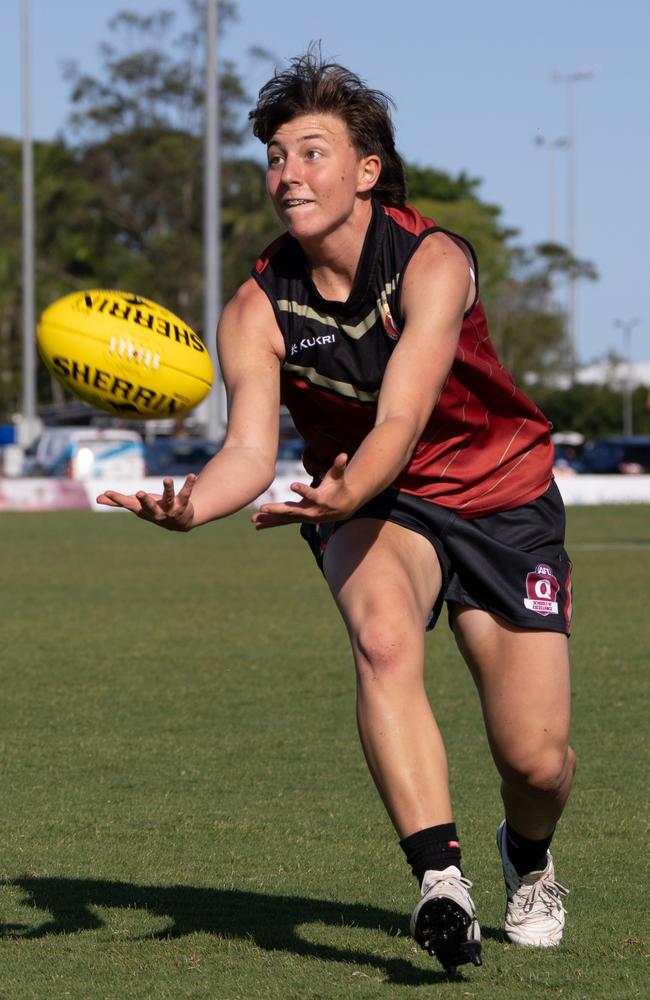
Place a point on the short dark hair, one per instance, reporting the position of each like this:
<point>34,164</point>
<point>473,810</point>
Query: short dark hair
<point>311,84</point>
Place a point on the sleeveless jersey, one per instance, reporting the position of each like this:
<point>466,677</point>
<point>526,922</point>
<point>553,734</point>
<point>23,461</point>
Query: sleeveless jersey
<point>486,446</point>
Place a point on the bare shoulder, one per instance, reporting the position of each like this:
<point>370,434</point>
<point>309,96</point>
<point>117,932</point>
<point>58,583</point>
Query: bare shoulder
<point>248,296</point>
<point>248,319</point>
<point>440,253</point>
<point>439,269</point>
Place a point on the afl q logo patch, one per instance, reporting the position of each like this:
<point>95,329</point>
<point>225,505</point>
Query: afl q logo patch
<point>541,591</point>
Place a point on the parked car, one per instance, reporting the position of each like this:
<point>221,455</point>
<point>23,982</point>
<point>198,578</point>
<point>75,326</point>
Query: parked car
<point>87,453</point>
<point>567,447</point>
<point>629,455</point>
<point>178,456</point>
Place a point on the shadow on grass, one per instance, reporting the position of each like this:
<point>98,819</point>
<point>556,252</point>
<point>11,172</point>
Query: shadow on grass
<point>271,922</point>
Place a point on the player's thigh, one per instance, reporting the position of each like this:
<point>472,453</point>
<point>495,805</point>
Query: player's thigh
<point>384,574</point>
<point>523,680</point>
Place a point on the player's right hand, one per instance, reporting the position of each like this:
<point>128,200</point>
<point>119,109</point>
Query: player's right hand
<point>331,500</point>
<point>168,509</point>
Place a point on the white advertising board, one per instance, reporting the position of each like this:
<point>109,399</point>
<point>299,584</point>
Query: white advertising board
<point>66,494</point>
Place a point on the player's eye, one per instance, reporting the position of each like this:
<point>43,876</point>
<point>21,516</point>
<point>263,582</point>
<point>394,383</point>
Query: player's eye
<point>275,159</point>
<point>313,154</point>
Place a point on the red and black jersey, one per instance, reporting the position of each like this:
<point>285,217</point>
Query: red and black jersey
<point>486,446</point>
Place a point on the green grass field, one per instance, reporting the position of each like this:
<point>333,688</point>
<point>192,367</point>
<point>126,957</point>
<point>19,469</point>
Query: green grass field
<point>185,807</point>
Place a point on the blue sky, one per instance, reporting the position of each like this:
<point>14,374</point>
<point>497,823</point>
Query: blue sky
<point>472,83</point>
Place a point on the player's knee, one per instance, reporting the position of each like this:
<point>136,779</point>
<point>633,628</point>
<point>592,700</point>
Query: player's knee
<point>381,647</point>
<point>546,773</point>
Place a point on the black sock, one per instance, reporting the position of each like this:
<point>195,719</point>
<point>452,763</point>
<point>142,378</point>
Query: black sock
<point>436,847</point>
<point>526,855</point>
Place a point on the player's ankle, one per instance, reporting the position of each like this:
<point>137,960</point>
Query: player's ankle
<point>432,849</point>
<point>524,854</point>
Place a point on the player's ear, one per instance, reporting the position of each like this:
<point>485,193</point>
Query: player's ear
<point>369,171</point>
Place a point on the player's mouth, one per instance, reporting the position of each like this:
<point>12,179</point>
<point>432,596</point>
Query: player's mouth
<point>295,202</point>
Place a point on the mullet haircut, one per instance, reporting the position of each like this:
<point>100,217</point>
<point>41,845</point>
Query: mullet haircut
<point>312,85</point>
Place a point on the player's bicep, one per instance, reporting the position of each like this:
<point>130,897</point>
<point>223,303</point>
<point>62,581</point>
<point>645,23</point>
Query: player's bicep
<point>250,363</point>
<point>435,292</point>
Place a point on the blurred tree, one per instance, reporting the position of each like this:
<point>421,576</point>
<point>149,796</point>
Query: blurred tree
<point>517,285</point>
<point>140,127</point>
<point>454,203</point>
<point>153,81</point>
<point>527,324</point>
<point>425,182</point>
<point>593,410</point>
<point>121,205</point>
<point>70,238</point>
<point>248,221</point>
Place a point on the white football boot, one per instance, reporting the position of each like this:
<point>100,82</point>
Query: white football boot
<point>444,921</point>
<point>534,910</point>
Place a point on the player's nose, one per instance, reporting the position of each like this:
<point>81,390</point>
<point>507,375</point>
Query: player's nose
<point>291,172</point>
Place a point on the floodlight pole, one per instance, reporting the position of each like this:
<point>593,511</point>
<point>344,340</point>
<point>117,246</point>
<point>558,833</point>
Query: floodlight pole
<point>215,405</point>
<point>28,423</point>
<point>551,145</point>
<point>627,325</point>
<point>571,79</point>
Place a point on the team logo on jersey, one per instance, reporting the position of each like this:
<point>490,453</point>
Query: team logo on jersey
<point>542,589</point>
<point>388,321</point>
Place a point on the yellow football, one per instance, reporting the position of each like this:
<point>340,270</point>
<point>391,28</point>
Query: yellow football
<point>124,354</point>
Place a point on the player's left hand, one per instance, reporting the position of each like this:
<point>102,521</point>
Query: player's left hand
<point>331,500</point>
<point>168,509</point>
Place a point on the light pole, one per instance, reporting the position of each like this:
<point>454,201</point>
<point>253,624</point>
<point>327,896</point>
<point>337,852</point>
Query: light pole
<point>626,326</point>
<point>213,410</point>
<point>552,145</point>
<point>28,425</point>
<point>571,79</point>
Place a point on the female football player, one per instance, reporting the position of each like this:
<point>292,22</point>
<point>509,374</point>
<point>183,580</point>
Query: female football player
<point>430,483</point>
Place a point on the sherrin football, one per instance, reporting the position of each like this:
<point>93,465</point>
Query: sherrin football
<point>124,354</point>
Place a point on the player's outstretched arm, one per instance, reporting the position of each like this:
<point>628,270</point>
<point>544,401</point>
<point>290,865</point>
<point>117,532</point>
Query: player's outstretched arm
<point>250,347</point>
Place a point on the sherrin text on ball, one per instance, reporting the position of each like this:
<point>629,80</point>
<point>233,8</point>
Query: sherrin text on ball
<point>124,354</point>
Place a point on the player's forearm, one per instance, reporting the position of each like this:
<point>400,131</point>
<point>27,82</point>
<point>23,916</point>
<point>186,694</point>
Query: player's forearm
<point>230,481</point>
<point>381,457</point>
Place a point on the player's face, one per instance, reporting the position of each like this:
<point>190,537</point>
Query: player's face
<point>315,174</point>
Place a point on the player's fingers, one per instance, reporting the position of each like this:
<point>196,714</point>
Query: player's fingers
<point>339,464</point>
<point>168,490</point>
<point>304,491</point>
<point>273,521</point>
<point>186,489</point>
<point>285,511</point>
<point>286,514</point>
<point>149,503</point>
<point>112,499</point>
<point>288,508</point>
<point>107,501</point>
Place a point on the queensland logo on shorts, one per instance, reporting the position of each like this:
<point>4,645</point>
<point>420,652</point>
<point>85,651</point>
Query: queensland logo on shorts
<point>541,590</point>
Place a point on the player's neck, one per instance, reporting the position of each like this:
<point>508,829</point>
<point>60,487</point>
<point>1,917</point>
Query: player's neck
<point>334,261</point>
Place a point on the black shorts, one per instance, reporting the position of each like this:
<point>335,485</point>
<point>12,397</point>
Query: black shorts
<point>512,564</point>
